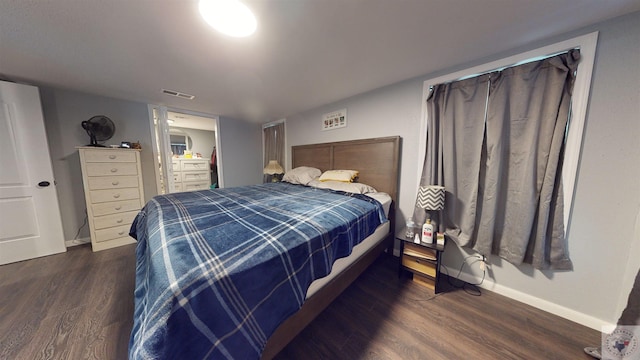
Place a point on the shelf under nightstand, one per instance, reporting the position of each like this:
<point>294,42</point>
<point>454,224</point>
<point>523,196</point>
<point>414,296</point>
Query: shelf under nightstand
<point>422,261</point>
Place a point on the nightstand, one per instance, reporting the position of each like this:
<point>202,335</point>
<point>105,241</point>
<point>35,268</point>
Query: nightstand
<point>422,261</point>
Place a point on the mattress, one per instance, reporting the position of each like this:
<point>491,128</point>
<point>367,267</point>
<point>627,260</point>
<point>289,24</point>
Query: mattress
<point>359,250</point>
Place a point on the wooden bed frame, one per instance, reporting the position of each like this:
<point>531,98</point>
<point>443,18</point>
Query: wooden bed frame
<point>377,160</point>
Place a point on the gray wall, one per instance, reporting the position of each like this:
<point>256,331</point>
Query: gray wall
<point>63,112</point>
<point>605,222</point>
<point>241,152</point>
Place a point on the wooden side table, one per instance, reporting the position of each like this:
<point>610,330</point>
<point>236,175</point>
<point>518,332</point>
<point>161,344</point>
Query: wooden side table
<point>422,261</point>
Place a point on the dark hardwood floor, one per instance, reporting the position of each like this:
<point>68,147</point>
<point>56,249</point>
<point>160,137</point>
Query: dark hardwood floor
<point>79,305</point>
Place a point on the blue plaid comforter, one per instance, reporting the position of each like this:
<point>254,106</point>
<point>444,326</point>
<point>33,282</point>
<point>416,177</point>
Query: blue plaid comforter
<point>218,270</point>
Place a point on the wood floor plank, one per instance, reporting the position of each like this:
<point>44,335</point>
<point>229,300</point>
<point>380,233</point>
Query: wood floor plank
<point>79,305</point>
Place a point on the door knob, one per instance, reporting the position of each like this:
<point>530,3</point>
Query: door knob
<point>44,183</point>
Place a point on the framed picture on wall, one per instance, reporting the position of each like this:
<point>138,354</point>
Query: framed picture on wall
<point>334,120</point>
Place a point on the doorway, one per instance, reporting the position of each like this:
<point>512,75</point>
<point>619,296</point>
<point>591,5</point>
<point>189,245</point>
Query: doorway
<point>181,138</point>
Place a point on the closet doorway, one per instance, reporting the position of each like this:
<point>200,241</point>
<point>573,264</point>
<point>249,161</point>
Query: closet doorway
<point>185,139</point>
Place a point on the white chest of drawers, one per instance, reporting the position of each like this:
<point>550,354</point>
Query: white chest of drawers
<point>114,194</point>
<point>191,174</point>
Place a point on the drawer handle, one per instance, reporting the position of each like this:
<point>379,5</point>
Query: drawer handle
<point>114,170</point>
<point>116,195</point>
<point>115,183</point>
<point>118,207</point>
<point>119,221</point>
<point>121,232</point>
<point>112,157</point>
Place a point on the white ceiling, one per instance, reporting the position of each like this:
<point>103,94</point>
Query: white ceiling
<point>305,53</point>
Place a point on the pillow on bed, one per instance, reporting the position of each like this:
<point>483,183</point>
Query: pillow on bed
<point>302,175</point>
<point>355,188</point>
<point>339,175</point>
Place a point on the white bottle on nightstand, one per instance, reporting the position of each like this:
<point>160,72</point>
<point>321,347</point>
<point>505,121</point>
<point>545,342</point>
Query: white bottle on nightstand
<point>427,232</point>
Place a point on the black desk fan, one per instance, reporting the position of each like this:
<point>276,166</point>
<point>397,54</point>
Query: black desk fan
<point>99,128</point>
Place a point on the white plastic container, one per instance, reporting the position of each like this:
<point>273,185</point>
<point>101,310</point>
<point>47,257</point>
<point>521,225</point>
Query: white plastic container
<point>427,232</point>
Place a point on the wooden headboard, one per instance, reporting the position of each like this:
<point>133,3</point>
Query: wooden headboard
<point>376,159</point>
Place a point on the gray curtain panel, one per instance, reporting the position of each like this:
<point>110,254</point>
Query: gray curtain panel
<point>455,132</point>
<point>498,151</point>
<point>521,217</point>
<point>631,313</point>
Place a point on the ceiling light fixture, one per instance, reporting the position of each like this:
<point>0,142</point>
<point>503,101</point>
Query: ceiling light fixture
<point>230,17</point>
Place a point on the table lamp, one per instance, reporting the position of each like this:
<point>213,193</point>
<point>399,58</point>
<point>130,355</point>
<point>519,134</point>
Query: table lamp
<point>431,198</point>
<point>273,169</point>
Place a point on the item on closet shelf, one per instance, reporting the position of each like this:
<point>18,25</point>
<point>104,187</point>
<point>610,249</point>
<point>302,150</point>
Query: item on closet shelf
<point>440,239</point>
<point>416,239</point>
<point>427,232</point>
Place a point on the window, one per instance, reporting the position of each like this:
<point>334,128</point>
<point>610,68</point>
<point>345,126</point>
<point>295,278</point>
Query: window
<point>579,98</point>
<point>273,143</point>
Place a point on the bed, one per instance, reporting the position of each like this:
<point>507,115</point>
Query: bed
<point>230,273</point>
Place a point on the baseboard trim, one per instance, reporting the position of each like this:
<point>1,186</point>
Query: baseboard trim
<point>564,312</point>
<point>76,242</point>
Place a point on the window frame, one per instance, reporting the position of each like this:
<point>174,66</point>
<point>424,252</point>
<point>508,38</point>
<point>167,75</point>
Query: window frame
<point>587,44</point>
<point>284,151</point>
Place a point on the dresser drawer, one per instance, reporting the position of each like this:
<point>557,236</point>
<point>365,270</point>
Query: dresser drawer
<point>177,178</point>
<point>114,207</point>
<point>125,218</point>
<point>420,265</point>
<point>113,182</point>
<point>109,156</point>
<point>200,176</point>
<point>175,165</point>
<point>177,187</point>
<point>195,186</point>
<point>99,196</point>
<point>112,233</point>
<point>104,169</point>
<point>195,165</point>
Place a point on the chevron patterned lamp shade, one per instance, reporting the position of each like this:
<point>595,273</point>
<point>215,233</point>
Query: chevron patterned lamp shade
<point>431,197</point>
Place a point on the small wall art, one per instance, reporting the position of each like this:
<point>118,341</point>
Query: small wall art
<point>334,120</point>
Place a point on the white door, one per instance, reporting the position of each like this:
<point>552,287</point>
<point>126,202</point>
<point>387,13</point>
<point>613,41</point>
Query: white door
<point>30,223</point>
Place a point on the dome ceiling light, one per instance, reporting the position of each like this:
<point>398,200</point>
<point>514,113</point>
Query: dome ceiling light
<point>230,17</point>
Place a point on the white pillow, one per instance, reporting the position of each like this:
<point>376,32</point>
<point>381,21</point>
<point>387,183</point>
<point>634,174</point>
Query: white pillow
<point>302,175</point>
<point>355,188</point>
<point>339,175</point>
